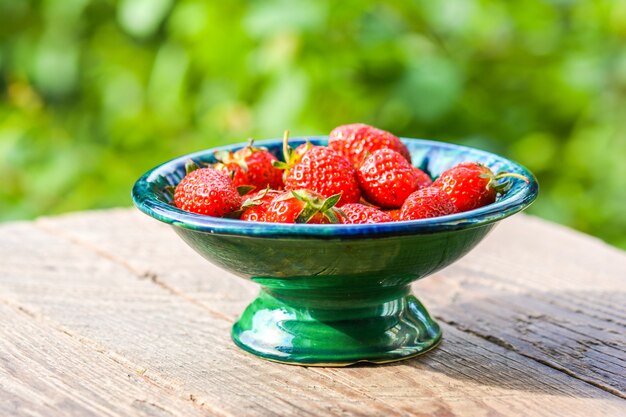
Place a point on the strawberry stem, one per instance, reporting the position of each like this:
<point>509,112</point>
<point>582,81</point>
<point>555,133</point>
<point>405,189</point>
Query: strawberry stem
<point>330,202</point>
<point>286,148</point>
<point>256,200</point>
<point>331,216</point>
<point>223,156</point>
<point>190,166</point>
<point>306,214</point>
<point>245,189</point>
<point>511,175</point>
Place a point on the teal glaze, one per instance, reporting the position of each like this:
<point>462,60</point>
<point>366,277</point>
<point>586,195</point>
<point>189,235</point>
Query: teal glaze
<point>379,325</point>
<point>337,294</point>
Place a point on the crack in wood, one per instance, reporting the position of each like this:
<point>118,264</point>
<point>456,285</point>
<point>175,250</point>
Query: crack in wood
<point>555,366</point>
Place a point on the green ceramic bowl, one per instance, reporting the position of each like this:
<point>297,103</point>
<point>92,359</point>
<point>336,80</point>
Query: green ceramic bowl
<point>336,294</point>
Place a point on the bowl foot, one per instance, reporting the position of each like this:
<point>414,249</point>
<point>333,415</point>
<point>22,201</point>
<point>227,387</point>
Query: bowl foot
<point>300,328</point>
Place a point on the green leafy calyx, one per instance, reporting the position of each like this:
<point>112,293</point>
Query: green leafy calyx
<point>314,204</point>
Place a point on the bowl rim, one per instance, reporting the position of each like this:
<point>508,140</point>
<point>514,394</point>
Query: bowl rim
<point>146,201</point>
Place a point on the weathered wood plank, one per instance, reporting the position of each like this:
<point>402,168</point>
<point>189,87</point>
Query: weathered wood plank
<point>136,241</point>
<point>99,297</point>
<point>545,291</point>
<point>46,372</point>
<point>172,341</point>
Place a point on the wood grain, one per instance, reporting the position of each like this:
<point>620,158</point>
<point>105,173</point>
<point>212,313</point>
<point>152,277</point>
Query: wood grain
<point>172,341</point>
<point>127,289</point>
<point>45,372</point>
<point>135,241</point>
<point>559,298</point>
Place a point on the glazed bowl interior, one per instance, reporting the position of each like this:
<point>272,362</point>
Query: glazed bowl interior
<point>150,196</point>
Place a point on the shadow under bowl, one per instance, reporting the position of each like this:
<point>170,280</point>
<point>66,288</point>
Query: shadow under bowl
<point>334,295</point>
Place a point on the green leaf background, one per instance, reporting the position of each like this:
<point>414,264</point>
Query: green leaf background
<point>95,92</point>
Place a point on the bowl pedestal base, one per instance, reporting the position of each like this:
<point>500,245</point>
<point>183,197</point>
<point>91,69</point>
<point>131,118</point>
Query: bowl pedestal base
<point>330,327</point>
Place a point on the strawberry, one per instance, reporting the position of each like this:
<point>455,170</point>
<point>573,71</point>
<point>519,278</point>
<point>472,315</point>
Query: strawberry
<point>427,202</point>
<point>235,172</point>
<point>394,214</point>
<point>387,179</point>
<point>261,172</point>
<point>355,213</point>
<point>207,191</point>
<point>356,141</point>
<point>472,185</point>
<point>321,170</point>
<point>255,206</point>
<point>423,179</point>
<point>303,206</point>
<point>251,165</point>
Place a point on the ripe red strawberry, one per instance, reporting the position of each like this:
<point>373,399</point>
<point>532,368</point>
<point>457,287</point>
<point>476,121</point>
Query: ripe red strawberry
<point>472,185</point>
<point>235,172</point>
<point>207,191</point>
<point>423,179</point>
<point>261,171</point>
<point>361,214</point>
<point>302,206</point>
<point>356,141</point>
<point>387,179</point>
<point>251,166</point>
<point>427,202</point>
<point>324,171</point>
<point>255,206</point>
<point>394,214</point>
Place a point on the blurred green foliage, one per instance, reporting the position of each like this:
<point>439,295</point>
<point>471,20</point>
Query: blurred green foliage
<point>95,92</point>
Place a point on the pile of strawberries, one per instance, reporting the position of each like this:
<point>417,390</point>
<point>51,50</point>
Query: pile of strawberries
<point>364,175</point>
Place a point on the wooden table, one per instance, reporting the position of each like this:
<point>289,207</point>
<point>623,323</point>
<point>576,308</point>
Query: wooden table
<point>109,313</point>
